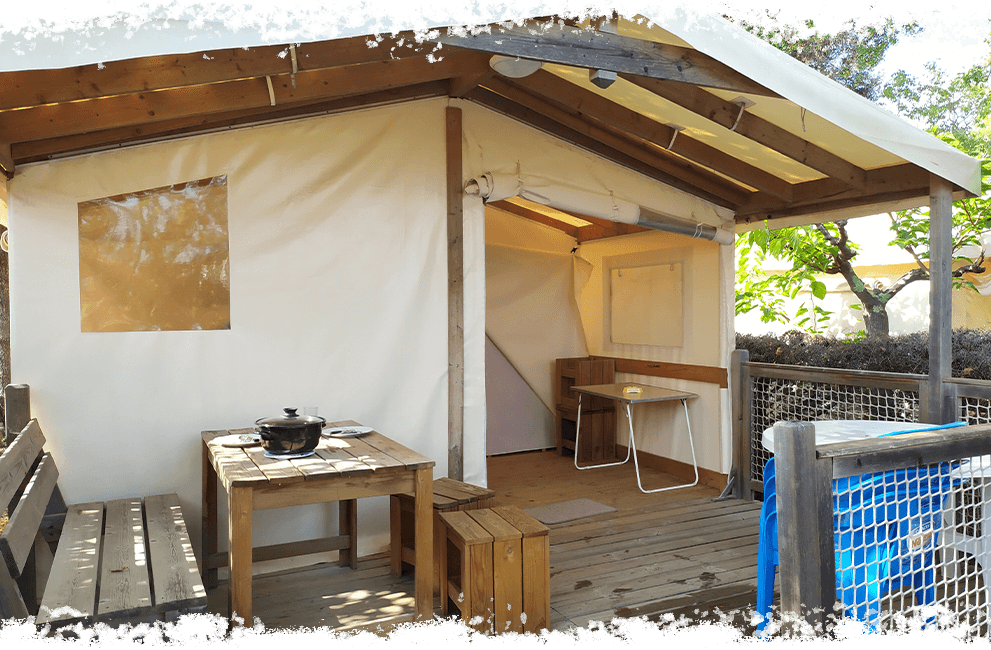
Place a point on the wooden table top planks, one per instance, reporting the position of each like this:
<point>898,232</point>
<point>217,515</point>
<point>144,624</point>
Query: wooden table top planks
<point>334,458</point>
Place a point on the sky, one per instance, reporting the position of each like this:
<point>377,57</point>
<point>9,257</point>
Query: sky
<point>912,54</point>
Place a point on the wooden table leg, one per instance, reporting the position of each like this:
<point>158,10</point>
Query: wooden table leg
<point>239,558</point>
<point>209,529</point>
<point>395,536</point>
<point>348,525</point>
<point>424,543</point>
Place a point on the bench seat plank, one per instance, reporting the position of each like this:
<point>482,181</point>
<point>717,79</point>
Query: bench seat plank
<point>124,585</point>
<point>72,582</point>
<point>175,576</point>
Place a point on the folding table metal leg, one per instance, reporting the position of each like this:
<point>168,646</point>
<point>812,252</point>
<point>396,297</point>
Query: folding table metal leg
<point>633,446</point>
<point>578,428</point>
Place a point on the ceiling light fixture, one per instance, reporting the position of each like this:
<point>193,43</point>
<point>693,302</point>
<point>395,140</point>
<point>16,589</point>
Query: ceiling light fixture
<point>514,67</point>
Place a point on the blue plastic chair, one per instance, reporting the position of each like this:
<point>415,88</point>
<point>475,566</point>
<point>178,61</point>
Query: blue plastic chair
<point>875,518</point>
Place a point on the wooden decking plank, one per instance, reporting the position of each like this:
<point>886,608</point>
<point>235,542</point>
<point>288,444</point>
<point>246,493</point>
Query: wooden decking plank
<point>72,582</point>
<point>663,575</point>
<point>653,528</point>
<point>622,564</point>
<point>646,521</point>
<point>592,546</point>
<point>575,558</point>
<point>585,609</point>
<point>125,591</point>
<point>175,576</point>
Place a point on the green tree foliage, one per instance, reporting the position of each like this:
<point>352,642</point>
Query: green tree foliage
<point>850,56</point>
<point>954,107</point>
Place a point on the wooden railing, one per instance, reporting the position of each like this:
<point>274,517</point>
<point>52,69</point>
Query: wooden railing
<point>806,492</point>
<point>764,393</point>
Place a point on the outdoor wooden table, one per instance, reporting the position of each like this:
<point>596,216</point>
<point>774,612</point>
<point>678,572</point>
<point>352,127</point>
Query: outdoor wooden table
<point>342,469</point>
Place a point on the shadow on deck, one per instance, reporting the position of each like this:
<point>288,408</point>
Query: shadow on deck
<point>675,553</point>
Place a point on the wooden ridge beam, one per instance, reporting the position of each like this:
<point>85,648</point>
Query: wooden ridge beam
<point>36,150</point>
<point>555,90</point>
<point>587,48</point>
<point>726,114</point>
<point>674,171</point>
<point>148,107</point>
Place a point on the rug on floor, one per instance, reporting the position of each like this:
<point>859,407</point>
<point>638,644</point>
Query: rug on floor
<point>556,513</point>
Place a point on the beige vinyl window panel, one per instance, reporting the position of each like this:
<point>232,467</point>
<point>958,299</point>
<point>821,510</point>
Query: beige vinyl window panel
<point>646,305</point>
<point>156,259</point>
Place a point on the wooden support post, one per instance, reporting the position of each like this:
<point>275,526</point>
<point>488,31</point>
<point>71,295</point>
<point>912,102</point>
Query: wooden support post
<point>940,297</point>
<point>455,298</point>
<point>423,517</point>
<point>799,521</point>
<point>741,404</point>
<point>16,409</point>
<point>6,160</point>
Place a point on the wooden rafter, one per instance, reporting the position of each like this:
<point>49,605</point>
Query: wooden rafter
<point>675,171</point>
<point>555,90</point>
<point>587,48</point>
<point>149,107</point>
<point>728,114</point>
<point>36,150</point>
<point>21,89</point>
<point>596,229</point>
<point>6,160</point>
<point>896,183</point>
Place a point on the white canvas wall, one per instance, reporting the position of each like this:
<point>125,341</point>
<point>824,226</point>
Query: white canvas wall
<point>338,300</point>
<point>661,428</point>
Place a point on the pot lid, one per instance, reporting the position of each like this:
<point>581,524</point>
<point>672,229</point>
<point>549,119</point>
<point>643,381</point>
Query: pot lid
<point>289,418</point>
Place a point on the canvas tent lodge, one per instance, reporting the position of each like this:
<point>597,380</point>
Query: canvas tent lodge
<point>343,263</point>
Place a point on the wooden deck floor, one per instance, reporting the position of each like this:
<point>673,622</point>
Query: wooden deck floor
<point>672,552</point>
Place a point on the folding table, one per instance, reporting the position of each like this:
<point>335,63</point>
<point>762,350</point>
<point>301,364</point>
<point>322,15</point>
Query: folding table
<point>632,393</point>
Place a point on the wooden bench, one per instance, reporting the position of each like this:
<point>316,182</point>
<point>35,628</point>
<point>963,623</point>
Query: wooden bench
<point>496,569</point>
<point>128,560</point>
<point>450,495</point>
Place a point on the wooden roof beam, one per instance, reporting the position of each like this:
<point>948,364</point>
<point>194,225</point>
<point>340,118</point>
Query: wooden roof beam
<point>887,184</point>
<point>556,90</point>
<point>6,160</point>
<point>673,171</point>
<point>148,107</point>
<point>596,229</point>
<point>21,89</point>
<point>726,114</point>
<point>35,150</point>
<point>586,48</point>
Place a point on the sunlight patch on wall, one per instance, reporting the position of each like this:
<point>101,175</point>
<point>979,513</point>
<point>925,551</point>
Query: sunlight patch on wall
<point>156,259</point>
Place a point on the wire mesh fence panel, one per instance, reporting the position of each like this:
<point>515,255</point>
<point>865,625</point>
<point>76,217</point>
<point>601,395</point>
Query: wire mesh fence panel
<point>900,552</point>
<point>777,399</point>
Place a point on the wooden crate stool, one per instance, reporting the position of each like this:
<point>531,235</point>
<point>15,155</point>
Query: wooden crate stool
<point>496,569</point>
<point>449,496</point>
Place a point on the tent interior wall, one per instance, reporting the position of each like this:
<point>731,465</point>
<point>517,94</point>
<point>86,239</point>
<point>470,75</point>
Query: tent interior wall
<point>337,299</point>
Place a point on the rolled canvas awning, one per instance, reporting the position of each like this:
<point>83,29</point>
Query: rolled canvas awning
<point>497,187</point>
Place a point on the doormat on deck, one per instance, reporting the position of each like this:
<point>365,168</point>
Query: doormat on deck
<point>556,513</point>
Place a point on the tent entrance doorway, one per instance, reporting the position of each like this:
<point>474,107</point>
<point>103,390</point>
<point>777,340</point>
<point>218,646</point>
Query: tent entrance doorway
<point>532,318</point>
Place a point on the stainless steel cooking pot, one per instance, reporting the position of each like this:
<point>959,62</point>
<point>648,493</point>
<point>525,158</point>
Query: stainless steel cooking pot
<point>290,433</point>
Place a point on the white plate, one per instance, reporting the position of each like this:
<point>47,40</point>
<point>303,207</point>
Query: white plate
<point>305,454</point>
<point>239,440</point>
<point>346,432</point>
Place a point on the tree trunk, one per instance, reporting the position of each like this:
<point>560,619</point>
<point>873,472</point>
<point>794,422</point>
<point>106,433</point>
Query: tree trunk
<point>876,321</point>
